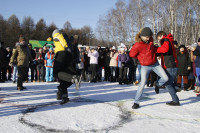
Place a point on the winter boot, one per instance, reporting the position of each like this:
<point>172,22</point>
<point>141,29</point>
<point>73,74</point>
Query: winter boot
<point>136,82</point>
<point>135,106</point>
<point>157,89</point>
<point>172,103</point>
<point>20,88</point>
<point>59,94</point>
<point>64,99</point>
<point>185,87</point>
<point>111,79</point>
<point>120,81</point>
<point>178,87</point>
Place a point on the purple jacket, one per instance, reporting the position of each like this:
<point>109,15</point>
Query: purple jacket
<point>124,58</point>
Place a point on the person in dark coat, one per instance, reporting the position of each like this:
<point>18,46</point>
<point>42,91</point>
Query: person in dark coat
<point>107,71</point>
<point>4,63</point>
<point>87,65</point>
<point>9,68</point>
<point>132,70</point>
<point>40,57</point>
<point>100,63</point>
<point>184,65</point>
<point>32,65</point>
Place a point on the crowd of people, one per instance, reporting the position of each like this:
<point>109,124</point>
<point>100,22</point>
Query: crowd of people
<point>163,65</point>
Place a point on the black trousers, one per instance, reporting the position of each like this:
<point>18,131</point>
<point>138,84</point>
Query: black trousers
<point>123,72</point>
<point>9,72</point>
<point>21,74</point>
<point>62,88</point>
<point>94,69</point>
<point>107,73</point>
<point>132,74</point>
<point>33,72</point>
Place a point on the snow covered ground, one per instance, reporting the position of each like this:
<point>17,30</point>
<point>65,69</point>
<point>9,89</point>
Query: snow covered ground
<point>98,107</point>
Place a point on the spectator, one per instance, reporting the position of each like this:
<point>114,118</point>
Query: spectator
<point>32,65</point>
<point>48,63</point>
<point>196,53</point>
<point>184,65</point>
<point>4,63</point>
<point>106,65</point>
<point>93,54</point>
<point>123,59</point>
<point>101,63</point>
<point>40,56</point>
<point>87,65</point>
<point>113,64</point>
<point>23,57</point>
<point>80,64</point>
<point>14,64</point>
<point>9,68</point>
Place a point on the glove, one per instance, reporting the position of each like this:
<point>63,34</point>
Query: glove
<point>11,64</point>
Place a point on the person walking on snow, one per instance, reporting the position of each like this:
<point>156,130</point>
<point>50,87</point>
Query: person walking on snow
<point>48,63</point>
<point>145,52</point>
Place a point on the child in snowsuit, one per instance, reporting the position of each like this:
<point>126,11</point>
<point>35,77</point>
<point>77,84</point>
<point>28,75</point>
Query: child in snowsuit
<point>48,63</point>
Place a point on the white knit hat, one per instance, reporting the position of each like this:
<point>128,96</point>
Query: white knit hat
<point>113,47</point>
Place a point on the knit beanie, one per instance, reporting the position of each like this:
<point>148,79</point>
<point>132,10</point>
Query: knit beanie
<point>146,32</point>
<point>182,46</point>
<point>21,38</point>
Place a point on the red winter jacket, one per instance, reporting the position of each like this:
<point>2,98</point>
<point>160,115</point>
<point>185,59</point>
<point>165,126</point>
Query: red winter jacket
<point>168,52</point>
<point>145,53</point>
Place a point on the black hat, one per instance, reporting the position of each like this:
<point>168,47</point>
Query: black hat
<point>175,42</point>
<point>146,32</point>
<point>182,46</point>
<point>30,44</point>
<point>199,40</point>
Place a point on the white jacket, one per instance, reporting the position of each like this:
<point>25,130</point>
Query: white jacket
<point>93,57</point>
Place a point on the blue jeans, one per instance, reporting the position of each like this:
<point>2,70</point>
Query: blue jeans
<point>139,70</point>
<point>170,85</point>
<point>14,72</point>
<point>145,70</point>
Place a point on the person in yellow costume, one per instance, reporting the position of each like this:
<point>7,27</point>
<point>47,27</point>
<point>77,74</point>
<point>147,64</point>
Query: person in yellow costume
<point>64,68</point>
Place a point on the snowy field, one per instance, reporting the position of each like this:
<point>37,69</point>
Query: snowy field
<point>97,107</point>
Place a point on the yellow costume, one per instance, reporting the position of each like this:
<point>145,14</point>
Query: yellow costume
<point>59,42</point>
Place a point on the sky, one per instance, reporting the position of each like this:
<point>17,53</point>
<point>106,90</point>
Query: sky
<point>78,12</point>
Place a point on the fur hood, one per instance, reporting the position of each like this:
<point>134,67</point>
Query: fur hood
<point>138,39</point>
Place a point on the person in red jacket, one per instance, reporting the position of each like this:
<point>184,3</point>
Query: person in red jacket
<point>169,63</point>
<point>145,52</point>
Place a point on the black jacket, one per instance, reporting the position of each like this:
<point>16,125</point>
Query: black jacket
<point>183,63</point>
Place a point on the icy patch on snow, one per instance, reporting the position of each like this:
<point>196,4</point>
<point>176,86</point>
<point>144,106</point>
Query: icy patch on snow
<point>76,116</point>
